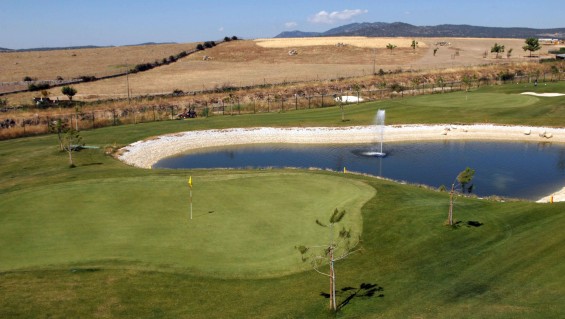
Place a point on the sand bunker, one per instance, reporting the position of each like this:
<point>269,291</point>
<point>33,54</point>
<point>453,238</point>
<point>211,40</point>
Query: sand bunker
<point>543,94</point>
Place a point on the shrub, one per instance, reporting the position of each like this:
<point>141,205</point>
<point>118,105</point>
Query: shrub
<point>87,78</point>
<point>27,79</point>
<point>560,51</point>
<point>227,39</point>
<point>234,38</point>
<point>205,112</point>
<point>142,67</point>
<point>547,60</point>
<point>38,86</point>
<point>199,47</point>
<point>506,76</point>
<point>397,87</point>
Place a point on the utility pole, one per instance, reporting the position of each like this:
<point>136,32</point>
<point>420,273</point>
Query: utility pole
<point>127,80</point>
<point>374,60</point>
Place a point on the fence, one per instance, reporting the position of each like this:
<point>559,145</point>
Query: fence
<point>16,126</point>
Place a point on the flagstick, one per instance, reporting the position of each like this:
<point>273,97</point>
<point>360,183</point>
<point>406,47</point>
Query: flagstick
<point>191,203</point>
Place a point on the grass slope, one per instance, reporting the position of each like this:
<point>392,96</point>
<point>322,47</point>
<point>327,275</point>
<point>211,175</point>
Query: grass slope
<point>244,225</point>
<point>509,267</point>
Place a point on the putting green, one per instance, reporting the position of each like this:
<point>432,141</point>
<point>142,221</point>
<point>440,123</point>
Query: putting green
<point>244,225</point>
<point>475,100</point>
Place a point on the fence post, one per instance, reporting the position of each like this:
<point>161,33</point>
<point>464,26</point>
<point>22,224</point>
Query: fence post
<point>154,113</point>
<point>172,114</point>
<point>93,125</point>
<point>114,114</point>
<point>322,100</point>
<point>295,101</point>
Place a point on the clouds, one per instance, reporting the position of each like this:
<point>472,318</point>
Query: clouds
<point>290,25</point>
<point>324,17</point>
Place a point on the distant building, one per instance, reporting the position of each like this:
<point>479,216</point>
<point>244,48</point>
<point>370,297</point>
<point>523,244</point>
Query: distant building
<point>548,41</point>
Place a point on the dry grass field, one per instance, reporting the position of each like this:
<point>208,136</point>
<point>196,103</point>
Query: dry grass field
<point>251,62</point>
<point>47,65</point>
<point>361,42</point>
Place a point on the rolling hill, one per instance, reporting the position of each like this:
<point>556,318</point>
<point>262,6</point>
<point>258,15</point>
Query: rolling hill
<point>400,29</point>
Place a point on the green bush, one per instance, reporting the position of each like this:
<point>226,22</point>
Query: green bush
<point>38,86</point>
<point>87,78</point>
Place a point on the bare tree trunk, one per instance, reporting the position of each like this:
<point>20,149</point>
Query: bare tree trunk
<point>332,281</point>
<point>450,216</point>
<point>70,150</point>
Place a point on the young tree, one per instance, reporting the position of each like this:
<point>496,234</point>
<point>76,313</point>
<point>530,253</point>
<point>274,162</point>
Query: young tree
<point>497,48</point>
<point>532,45</point>
<point>461,183</point>
<point>509,53</point>
<point>339,101</point>
<point>391,47</point>
<point>356,87</point>
<point>441,83</point>
<point>468,81</point>
<point>71,142</point>
<point>337,249</point>
<point>69,139</point>
<point>414,45</point>
<point>59,128</point>
<point>69,91</point>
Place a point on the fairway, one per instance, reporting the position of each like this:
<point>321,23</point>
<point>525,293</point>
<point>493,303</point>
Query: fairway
<point>66,235</point>
<point>474,101</point>
<point>242,226</point>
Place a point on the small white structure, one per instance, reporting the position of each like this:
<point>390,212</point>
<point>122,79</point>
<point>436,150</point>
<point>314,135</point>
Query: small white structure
<point>348,99</point>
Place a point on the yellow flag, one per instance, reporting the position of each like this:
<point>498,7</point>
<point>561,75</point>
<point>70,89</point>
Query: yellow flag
<point>344,170</point>
<point>190,182</point>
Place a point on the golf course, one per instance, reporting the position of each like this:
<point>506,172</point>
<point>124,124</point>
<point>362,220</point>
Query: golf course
<point>109,240</point>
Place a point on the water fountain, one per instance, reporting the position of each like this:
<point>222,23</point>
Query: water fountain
<point>380,124</point>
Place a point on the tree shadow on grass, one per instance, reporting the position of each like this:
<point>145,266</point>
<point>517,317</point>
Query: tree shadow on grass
<point>364,291</point>
<point>470,223</point>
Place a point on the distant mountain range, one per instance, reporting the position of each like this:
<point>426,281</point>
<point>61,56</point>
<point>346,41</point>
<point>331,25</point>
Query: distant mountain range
<point>400,29</point>
<point>79,47</point>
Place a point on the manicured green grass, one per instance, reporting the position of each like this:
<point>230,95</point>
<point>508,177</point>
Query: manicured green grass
<point>244,225</point>
<point>108,240</point>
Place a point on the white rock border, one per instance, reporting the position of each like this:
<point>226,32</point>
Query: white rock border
<point>144,154</point>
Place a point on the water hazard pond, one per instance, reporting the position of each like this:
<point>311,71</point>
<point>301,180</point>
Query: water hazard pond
<point>518,169</point>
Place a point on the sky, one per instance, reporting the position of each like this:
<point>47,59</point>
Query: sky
<point>59,23</point>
